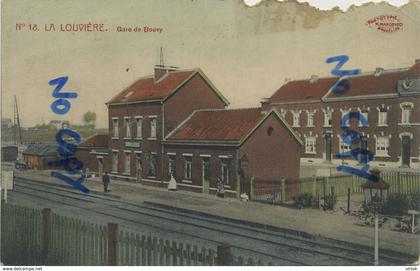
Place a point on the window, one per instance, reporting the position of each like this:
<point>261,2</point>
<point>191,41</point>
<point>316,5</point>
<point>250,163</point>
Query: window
<point>296,118</point>
<point>382,117</point>
<point>406,112</point>
<point>310,143</point>
<point>363,113</point>
<point>171,165</point>
<point>347,122</point>
<point>343,146</point>
<point>225,171</point>
<point>127,127</point>
<point>115,128</point>
<point>206,168</point>
<point>152,165</point>
<point>153,128</point>
<point>310,122</point>
<point>382,146</point>
<point>187,167</point>
<point>115,161</point>
<point>328,118</point>
<point>139,123</point>
<point>127,163</point>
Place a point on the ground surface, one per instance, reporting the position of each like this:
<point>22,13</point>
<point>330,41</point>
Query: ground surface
<point>123,203</point>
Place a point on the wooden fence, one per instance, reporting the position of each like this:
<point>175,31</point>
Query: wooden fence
<point>276,191</point>
<point>35,237</point>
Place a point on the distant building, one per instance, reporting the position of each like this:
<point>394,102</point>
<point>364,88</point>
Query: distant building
<point>388,99</point>
<point>38,155</point>
<point>6,124</point>
<point>59,124</point>
<point>93,152</point>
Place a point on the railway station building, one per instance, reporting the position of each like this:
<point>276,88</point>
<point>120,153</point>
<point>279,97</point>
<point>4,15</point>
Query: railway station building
<point>176,121</point>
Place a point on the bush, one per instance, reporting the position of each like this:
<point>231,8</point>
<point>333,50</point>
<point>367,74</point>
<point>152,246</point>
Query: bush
<point>399,204</point>
<point>305,200</point>
<point>329,202</point>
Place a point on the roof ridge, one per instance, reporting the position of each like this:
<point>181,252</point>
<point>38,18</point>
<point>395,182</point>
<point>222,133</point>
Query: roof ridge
<point>363,73</point>
<point>225,109</point>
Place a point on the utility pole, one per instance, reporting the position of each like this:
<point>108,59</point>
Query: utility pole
<point>376,239</point>
<point>17,121</point>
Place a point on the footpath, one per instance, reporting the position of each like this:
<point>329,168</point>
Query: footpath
<point>334,224</point>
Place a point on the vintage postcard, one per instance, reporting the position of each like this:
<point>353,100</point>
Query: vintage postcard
<point>210,132</point>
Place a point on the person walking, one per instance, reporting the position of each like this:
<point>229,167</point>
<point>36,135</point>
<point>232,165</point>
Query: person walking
<point>105,180</point>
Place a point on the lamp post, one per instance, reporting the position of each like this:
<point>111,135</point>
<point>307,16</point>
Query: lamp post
<point>375,196</point>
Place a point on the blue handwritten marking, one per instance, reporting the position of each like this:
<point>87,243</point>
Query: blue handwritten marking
<point>61,106</point>
<point>342,59</point>
<point>71,164</point>
<point>342,85</point>
<point>349,136</point>
<point>76,184</point>
<point>67,149</point>
<point>60,82</point>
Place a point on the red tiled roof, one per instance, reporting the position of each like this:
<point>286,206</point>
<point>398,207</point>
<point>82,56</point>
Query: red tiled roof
<point>360,85</point>
<point>303,90</point>
<point>147,89</point>
<point>96,141</point>
<point>218,125</point>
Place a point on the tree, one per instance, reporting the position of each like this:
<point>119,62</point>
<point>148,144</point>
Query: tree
<point>90,118</point>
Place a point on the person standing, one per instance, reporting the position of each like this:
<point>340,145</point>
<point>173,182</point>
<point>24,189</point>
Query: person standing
<point>105,180</point>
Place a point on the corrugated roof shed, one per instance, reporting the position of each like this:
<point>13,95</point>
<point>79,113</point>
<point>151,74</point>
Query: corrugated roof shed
<point>41,149</point>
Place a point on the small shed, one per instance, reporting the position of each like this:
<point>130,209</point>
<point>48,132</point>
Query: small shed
<point>9,153</point>
<point>38,155</point>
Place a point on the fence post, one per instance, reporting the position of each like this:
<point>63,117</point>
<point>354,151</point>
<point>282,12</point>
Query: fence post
<point>112,243</point>
<point>223,255</point>
<point>348,200</point>
<point>283,190</point>
<point>46,234</point>
<point>251,189</point>
<point>314,185</point>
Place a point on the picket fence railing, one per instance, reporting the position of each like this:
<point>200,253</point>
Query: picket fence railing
<point>39,237</point>
<point>278,191</point>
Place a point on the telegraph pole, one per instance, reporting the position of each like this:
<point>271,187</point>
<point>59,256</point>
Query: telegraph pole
<point>17,121</point>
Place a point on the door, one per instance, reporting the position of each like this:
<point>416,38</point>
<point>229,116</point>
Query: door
<point>328,147</point>
<point>100,166</point>
<point>405,155</point>
<point>205,175</point>
<point>139,168</point>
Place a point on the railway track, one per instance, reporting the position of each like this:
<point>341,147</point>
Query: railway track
<point>279,246</point>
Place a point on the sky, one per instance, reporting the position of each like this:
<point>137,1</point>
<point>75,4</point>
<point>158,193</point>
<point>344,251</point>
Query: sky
<point>342,4</point>
<point>247,52</point>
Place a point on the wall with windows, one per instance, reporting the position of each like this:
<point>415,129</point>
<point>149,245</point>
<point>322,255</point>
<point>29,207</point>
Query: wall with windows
<point>386,118</point>
<point>190,164</point>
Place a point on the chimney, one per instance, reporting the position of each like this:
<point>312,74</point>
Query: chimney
<point>314,78</point>
<point>287,79</point>
<point>417,61</point>
<point>161,70</point>
<point>378,71</point>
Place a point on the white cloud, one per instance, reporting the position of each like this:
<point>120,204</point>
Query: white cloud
<point>329,4</point>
